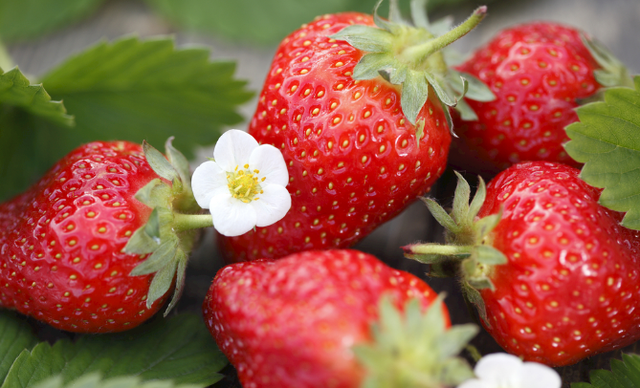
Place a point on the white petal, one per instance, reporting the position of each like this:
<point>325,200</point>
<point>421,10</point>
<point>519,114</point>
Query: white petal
<point>474,383</point>
<point>499,367</point>
<point>233,149</point>
<point>207,181</point>
<point>269,160</point>
<point>231,217</point>
<point>534,375</point>
<point>272,205</point>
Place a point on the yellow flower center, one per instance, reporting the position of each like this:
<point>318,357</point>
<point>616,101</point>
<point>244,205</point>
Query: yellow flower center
<point>244,184</point>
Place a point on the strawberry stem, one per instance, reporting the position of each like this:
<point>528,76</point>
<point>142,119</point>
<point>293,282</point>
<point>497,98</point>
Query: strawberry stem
<point>418,54</point>
<point>184,222</point>
<point>419,250</point>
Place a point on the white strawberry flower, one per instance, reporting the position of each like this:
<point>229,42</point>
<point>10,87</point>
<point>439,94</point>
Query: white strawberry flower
<point>502,370</point>
<point>244,185</point>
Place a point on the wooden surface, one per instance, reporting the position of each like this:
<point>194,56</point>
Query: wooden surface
<point>614,22</point>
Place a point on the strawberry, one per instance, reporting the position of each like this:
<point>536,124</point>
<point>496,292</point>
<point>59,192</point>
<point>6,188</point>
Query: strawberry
<point>358,151</point>
<point>70,242</point>
<point>539,72</point>
<point>305,321</point>
<point>553,273</point>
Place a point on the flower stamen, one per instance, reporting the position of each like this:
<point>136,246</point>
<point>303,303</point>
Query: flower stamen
<point>243,185</point>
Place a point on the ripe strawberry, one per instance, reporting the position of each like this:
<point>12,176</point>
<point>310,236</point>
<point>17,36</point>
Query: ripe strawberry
<point>63,241</point>
<point>554,274</point>
<point>540,72</point>
<point>358,152</point>
<point>297,322</point>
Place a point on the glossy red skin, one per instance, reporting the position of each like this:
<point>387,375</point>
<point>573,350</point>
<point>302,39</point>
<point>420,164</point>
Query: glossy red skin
<point>571,286</point>
<point>538,72</point>
<point>57,264</point>
<point>291,322</point>
<point>337,198</point>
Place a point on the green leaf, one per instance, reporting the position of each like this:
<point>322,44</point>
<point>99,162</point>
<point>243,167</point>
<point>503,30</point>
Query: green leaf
<point>461,197</point>
<point>133,90</point>
<point>370,66</point>
<point>255,21</point>
<point>476,91</point>
<point>442,25</point>
<point>17,90</point>
<point>415,91</point>
<point>413,347</point>
<point>612,72</point>
<point>162,281</point>
<point>441,215</point>
<point>606,140</point>
<point>487,224</point>
<point>419,14</point>
<point>159,163</point>
<point>94,380</point>
<point>160,257</point>
<point>442,89</point>
<point>24,19</point>
<point>26,116</point>
<point>179,349</point>
<point>29,145</point>
<point>181,274</point>
<point>624,373</point>
<point>489,255</point>
<point>473,296</point>
<point>145,239</point>
<point>454,372</point>
<point>366,38</point>
<point>179,162</point>
<point>466,111</point>
<point>130,90</point>
<point>456,338</point>
<point>478,199</point>
<point>150,193</point>
<point>15,337</point>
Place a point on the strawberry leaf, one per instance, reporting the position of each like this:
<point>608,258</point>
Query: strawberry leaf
<point>30,18</point>
<point>15,337</point>
<point>606,140</point>
<point>95,381</point>
<point>624,373</point>
<point>259,21</point>
<point>256,21</point>
<point>17,90</point>
<point>179,349</point>
<point>134,90</point>
<point>28,147</point>
<point>25,108</point>
<point>129,90</point>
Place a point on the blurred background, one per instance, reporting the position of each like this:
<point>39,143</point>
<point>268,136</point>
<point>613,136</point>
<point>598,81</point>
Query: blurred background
<point>48,41</point>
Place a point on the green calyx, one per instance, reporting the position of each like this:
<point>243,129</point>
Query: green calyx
<point>415,349</point>
<point>613,72</point>
<point>468,251</point>
<point>411,55</point>
<point>170,232</point>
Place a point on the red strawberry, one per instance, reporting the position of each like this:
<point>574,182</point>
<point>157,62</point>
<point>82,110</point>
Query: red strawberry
<point>554,273</point>
<point>297,322</point>
<point>540,72</point>
<point>63,240</point>
<point>358,152</point>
